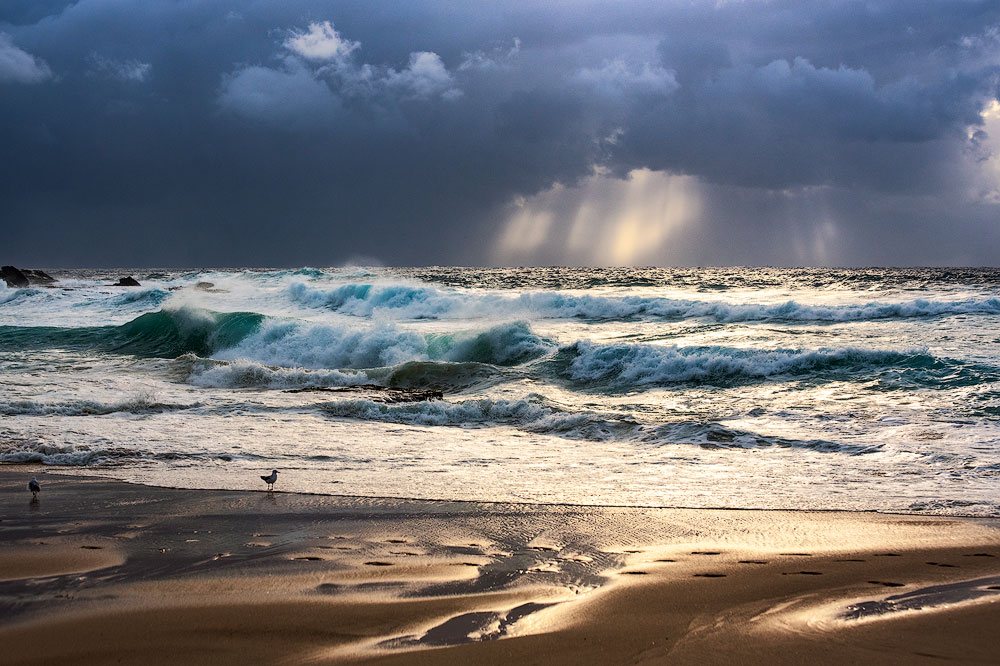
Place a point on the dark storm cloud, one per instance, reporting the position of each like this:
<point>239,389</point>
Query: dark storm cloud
<point>299,132</point>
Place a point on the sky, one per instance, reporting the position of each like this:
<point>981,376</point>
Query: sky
<point>255,133</point>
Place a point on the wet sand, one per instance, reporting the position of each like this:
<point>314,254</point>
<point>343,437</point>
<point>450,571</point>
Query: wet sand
<point>100,571</point>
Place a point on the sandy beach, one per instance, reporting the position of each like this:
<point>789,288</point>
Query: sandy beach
<point>99,571</point>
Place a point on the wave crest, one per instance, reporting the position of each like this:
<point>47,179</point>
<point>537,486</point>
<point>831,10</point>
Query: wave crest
<point>424,302</point>
<point>317,346</point>
<point>619,366</point>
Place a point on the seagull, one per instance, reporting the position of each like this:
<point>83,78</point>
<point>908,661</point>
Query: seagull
<point>270,479</point>
<point>34,487</point>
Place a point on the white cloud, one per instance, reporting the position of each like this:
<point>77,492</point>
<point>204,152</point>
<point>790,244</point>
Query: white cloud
<point>19,66</point>
<point>984,152</point>
<point>128,71</point>
<point>321,73</point>
<point>424,77</point>
<point>321,42</point>
<point>615,77</point>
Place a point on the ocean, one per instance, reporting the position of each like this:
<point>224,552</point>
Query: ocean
<point>867,389</point>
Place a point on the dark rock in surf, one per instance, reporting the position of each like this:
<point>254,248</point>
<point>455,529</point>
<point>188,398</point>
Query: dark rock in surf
<point>13,277</point>
<point>36,276</point>
<point>25,277</point>
<point>376,393</point>
<point>128,281</point>
<point>210,288</point>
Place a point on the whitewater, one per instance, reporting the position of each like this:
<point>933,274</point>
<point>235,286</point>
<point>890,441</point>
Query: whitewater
<point>867,389</point>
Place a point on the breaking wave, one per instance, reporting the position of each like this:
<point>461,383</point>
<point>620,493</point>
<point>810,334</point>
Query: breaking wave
<point>283,342</point>
<point>139,297</point>
<point>288,343</point>
<point>8,295</point>
<point>423,302</point>
<point>623,366</point>
<point>165,334</point>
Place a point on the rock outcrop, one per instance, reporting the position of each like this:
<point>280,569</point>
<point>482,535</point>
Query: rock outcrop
<point>377,393</point>
<point>36,276</point>
<point>127,281</point>
<point>24,277</point>
<point>14,277</point>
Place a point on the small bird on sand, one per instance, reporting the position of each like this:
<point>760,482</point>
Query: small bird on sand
<point>270,479</point>
<point>34,487</point>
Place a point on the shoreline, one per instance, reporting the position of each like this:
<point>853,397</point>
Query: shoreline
<point>213,576</point>
<point>34,468</point>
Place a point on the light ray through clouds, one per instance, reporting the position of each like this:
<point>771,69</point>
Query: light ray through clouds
<point>604,221</point>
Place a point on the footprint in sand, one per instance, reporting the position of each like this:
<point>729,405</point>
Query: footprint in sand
<point>978,555</point>
<point>753,561</point>
<point>545,567</point>
<point>710,575</point>
<point>802,573</point>
<point>796,554</point>
<point>308,558</point>
<point>706,552</point>
<point>580,559</point>
<point>887,555</point>
<point>378,564</point>
<point>885,583</point>
<point>396,541</point>
<point>633,573</point>
<point>92,547</point>
<point>851,559</point>
<point>943,564</point>
<point>665,560</point>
